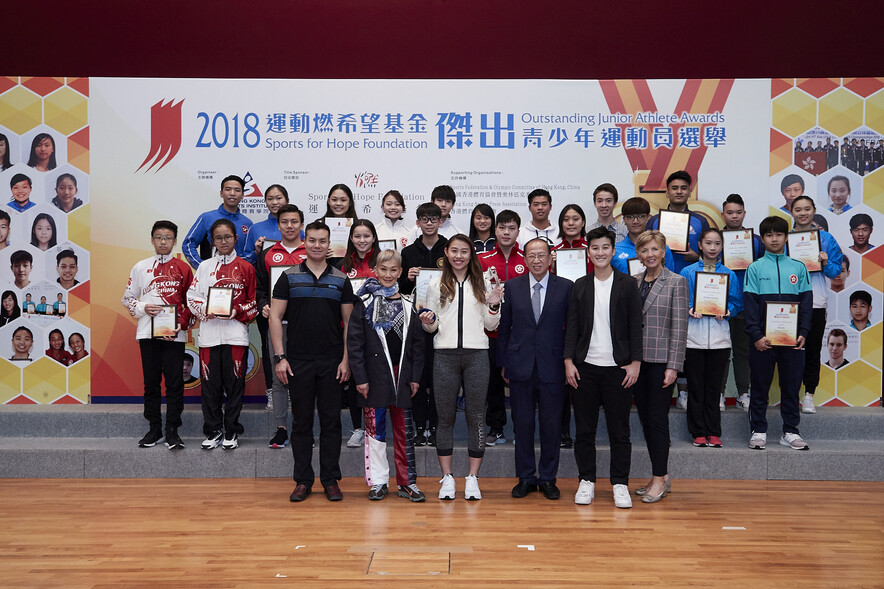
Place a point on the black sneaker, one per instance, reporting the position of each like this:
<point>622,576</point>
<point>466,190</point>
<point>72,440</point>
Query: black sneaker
<point>566,442</point>
<point>377,492</point>
<point>420,437</point>
<point>412,493</point>
<point>431,437</point>
<point>151,439</point>
<point>280,439</point>
<point>173,440</point>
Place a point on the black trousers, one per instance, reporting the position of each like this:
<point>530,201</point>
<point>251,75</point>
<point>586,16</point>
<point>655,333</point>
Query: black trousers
<point>599,386</point>
<point>350,401</point>
<point>314,385</point>
<point>566,412</point>
<point>495,415</point>
<point>812,348</point>
<point>266,364</point>
<point>223,371</point>
<point>527,399</point>
<point>162,359</point>
<point>653,403</point>
<point>423,404</point>
<point>790,365</point>
<point>704,370</point>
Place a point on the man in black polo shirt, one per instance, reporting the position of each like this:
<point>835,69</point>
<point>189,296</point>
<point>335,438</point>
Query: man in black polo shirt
<point>315,364</point>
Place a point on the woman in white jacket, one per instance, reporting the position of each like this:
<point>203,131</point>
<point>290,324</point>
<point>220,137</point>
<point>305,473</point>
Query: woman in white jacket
<point>458,312</point>
<point>393,226</point>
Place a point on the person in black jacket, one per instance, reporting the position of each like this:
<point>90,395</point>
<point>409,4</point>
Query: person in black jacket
<point>385,342</point>
<point>603,354</point>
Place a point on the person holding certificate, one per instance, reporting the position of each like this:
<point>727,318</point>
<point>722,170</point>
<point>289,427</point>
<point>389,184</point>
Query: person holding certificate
<point>829,258</point>
<point>158,286</point>
<point>733,210</point>
<point>358,264</point>
<point>636,212</point>
<point>272,261</point>
<point>678,191</point>
<point>507,261</point>
<point>393,226</point>
<point>778,303</point>
<point>715,298</point>
<point>665,304</point>
<point>385,345</point>
<point>340,212</point>
<point>222,296</point>
<point>457,311</point>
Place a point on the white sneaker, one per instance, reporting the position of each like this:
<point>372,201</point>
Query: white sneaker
<point>230,442</point>
<point>682,402</point>
<point>807,405</point>
<point>721,403</point>
<point>213,440</point>
<point>743,402</point>
<point>447,490</point>
<point>758,440</point>
<point>585,493</point>
<point>793,441</point>
<point>357,439</point>
<point>621,497</point>
<point>471,490</point>
<point>269,406</point>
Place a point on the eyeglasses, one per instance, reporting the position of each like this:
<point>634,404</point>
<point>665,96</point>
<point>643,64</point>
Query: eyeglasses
<point>634,217</point>
<point>429,219</point>
<point>163,238</point>
<point>223,238</point>
<point>536,256</point>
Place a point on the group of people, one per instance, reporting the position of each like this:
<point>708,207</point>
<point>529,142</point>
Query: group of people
<point>370,328</point>
<point>856,155</point>
<point>41,156</point>
<point>23,341</point>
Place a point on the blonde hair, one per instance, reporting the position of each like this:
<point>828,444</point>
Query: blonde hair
<point>650,235</point>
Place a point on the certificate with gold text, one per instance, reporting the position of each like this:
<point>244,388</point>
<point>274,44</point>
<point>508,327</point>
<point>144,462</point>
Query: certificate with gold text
<point>675,227</point>
<point>781,323</point>
<point>804,246</point>
<point>738,248</point>
<point>710,293</point>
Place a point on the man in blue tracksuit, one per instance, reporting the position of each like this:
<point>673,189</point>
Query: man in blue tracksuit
<point>678,190</point>
<point>775,277</point>
<point>196,246</point>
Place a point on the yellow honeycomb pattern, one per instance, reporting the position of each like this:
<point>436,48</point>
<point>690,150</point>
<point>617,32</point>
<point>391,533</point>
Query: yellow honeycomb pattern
<point>841,112</point>
<point>794,112</point>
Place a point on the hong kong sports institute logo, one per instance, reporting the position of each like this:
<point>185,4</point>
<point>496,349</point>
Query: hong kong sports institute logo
<point>165,134</point>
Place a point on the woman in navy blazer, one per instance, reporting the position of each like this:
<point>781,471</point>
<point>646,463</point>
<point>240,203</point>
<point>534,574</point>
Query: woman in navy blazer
<point>665,329</point>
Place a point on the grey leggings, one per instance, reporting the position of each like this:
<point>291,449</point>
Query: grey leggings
<point>451,370</point>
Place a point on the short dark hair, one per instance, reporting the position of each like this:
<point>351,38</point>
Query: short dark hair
<point>789,180</point>
<point>163,224</point>
<point>20,178</point>
<point>845,263</point>
<point>188,357</point>
<point>222,222</point>
<point>242,182</point>
<point>317,226</point>
<point>600,233</point>
<point>443,192</point>
<point>508,216</point>
<point>837,332</point>
<point>66,254</point>
<point>861,295</point>
<point>280,188</point>
<point>539,192</point>
<point>679,175</point>
<point>538,240</point>
<point>733,199</point>
<point>21,256</point>
<point>773,225</point>
<point>635,206</point>
<point>5,215</point>
<point>428,209</point>
<point>804,197</point>
<point>606,187</point>
<point>289,208</point>
<point>486,211</point>
<point>861,219</point>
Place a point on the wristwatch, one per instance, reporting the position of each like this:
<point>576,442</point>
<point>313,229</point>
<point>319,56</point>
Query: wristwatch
<point>278,357</point>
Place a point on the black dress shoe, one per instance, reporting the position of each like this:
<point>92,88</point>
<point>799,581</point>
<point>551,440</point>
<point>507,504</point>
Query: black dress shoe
<point>333,493</point>
<point>300,493</point>
<point>523,488</point>
<point>550,490</point>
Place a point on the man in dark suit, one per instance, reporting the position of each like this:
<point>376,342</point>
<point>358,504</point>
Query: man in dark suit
<point>603,353</point>
<point>530,345</point>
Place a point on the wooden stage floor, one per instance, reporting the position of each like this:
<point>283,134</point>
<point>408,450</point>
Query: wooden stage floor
<point>245,533</point>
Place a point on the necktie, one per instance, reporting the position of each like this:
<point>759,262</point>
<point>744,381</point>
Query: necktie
<point>535,302</point>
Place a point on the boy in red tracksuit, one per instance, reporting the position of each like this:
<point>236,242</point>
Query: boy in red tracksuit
<point>223,340</point>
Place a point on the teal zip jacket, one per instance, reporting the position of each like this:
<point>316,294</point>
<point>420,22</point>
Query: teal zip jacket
<point>776,277</point>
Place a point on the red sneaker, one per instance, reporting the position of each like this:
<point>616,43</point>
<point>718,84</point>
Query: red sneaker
<point>700,442</point>
<point>714,442</point>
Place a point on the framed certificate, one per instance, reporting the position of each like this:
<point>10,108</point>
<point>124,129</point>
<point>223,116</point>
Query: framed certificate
<point>62,308</point>
<point>781,323</point>
<point>421,284</point>
<point>220,301</point>
<point>32,308</point>
<point>675,227</point>
<point>571,263</point>
<point>710,293</point>
<point>738,248</point>
<point>635,266</point>
<point>165,323</point>
<point>386,244</point>
<point>275,273</point>
<point>356,284</point>
<point>339,235</point>
<point>269,243</point>
<point>804,246</point>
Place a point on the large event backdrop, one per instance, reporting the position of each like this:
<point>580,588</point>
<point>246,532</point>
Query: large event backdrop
<point>159,148</point>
